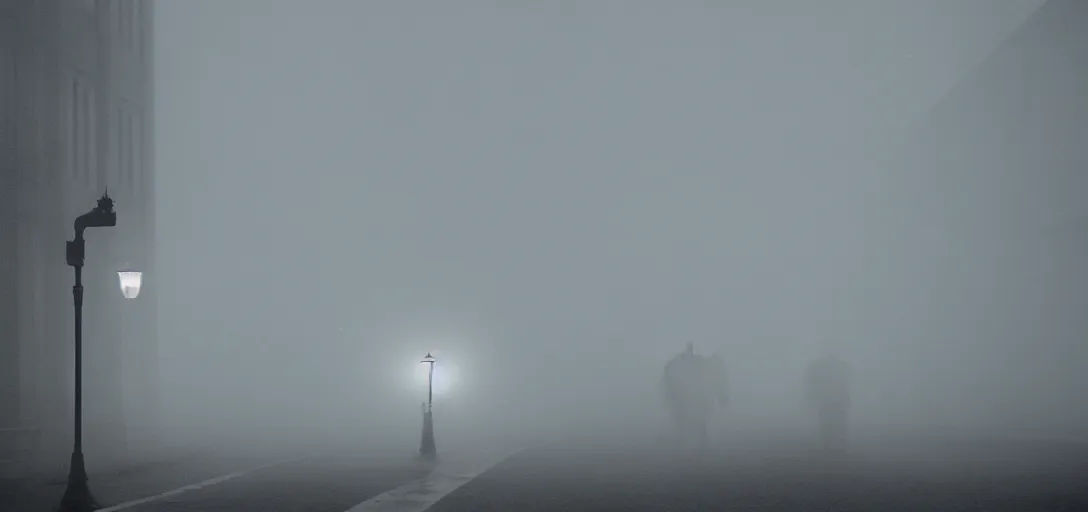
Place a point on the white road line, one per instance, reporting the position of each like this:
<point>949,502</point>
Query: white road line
<point>200,485</point>
<point>419,495</point>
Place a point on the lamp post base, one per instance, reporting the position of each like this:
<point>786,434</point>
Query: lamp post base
<point>77,496</point>
<point>427,449</point>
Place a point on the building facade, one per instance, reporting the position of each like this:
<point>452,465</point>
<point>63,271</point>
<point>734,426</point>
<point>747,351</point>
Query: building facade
<point>75,120</point>
<point>992,219</point>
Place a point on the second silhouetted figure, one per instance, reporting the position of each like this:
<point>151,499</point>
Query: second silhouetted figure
<point>828,393</point>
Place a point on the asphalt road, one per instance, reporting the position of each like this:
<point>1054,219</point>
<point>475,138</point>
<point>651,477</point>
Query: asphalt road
<point>34,492</point>
<point>761,470</point>
<point>882,473</point>
<point>314,483</point>
<point>310,484</point>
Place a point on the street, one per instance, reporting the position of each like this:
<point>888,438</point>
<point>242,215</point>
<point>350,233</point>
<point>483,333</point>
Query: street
<point>320,482</point>
<point>912,473</point>
<point>313,484</point>
<point>752,470</point>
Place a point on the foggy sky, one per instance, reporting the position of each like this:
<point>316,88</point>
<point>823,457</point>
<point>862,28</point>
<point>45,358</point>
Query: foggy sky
<point>555,196</point>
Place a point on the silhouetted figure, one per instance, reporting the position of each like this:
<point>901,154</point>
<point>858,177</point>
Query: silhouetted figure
<point>693,388</point>
<point>828,392</point>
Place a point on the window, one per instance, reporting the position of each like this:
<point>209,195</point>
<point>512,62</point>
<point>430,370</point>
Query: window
<point>134,25</point>
<point>118,175</point>
<point>81,150</point>
<point>127,148</point>
<point>7,103</point>
<point>125,15</point>
<point>117,20</point>
<point>90,133</point>
<point>75,134</point>
<point>126,156</point>
<point>120,147</point>
<point>135,157</point>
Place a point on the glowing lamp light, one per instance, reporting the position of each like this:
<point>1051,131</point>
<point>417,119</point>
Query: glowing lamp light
<point>130,281</point>
<point>445,375</point>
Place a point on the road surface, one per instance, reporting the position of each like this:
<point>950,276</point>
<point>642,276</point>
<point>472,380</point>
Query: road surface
<point>313,483</point>
<point>757,471</point>
<point>923,473</point>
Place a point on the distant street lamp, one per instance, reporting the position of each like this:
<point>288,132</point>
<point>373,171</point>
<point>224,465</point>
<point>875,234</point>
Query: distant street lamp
<point>427,449</point>
<point>77,496</point>
<point>130,281</point>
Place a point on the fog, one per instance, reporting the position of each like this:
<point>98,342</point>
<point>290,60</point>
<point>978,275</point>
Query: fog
<point>553,199</point>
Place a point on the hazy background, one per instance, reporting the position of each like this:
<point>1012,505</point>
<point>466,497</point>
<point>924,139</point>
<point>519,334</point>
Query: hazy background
<point>551,197</point>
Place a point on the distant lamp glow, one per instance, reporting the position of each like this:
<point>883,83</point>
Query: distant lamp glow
<point>439,378</point>
<point>130,281</point>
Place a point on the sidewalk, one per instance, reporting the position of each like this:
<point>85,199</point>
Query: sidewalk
<point>451,471</point>
<point>114,483</point>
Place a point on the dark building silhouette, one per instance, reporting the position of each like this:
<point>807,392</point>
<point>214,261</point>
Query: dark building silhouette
<point>75,119</point>
<point>991,219</point>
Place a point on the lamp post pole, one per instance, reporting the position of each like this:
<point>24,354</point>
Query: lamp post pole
<point>427,449</point>
<point>430,386</point>
<point>77,496</point>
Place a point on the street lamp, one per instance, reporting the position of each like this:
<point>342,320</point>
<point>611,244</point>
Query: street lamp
<point>77,496</point>
<point>427,448</point>
<point>130,281</point>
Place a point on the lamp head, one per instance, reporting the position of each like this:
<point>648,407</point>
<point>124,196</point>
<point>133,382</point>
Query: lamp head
<point>105,203</point>
<point>130,281</point>
<point>101,216</point>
